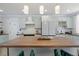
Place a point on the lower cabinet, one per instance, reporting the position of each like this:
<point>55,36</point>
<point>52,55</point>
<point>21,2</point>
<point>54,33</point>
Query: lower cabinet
<point>19,51</point>
<point>57,52</point>
<point>41,52</point>
<point>3,51</point>
<point>31,52</point>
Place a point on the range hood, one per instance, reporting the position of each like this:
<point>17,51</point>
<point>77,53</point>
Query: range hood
<point>29,21</point>
<point>29,27</point>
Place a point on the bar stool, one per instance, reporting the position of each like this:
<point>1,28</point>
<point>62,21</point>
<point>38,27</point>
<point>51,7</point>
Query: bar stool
<point>21,53</point>
<point>56,52</point>
<point>32,53</point>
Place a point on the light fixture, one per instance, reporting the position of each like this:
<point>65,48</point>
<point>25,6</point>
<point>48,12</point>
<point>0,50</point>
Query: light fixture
<point>41,9</point>
<point>26,9</point>
<point>57,9</point>
<point>1,10</point>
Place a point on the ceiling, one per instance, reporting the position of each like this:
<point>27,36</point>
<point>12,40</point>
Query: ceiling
<point>16,8</point>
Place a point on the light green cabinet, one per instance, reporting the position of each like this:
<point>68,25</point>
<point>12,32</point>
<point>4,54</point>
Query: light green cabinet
<point>3,38</point>
<point>3,51</point>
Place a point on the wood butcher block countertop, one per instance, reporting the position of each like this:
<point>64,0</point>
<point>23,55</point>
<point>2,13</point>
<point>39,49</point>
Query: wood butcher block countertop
<point>31,41</point>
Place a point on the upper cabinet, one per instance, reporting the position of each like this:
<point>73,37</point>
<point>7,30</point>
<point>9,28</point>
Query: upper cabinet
<point>62,24</point>
<point>45,25</point>
<point>65,20</point>
<point>69,22</point>
<point>37,21</point>
<point>49,25</point>
<point>52,25</point>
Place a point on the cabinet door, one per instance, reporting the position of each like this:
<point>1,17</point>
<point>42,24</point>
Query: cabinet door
<point>3,51</point>
<point>48,25</point>
<point>44,25</point>
<point>52,26</point>
<point>69,22</point>
<point>44,28</point>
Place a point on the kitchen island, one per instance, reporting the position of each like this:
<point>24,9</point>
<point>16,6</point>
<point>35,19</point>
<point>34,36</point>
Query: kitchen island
<point>32,41</point>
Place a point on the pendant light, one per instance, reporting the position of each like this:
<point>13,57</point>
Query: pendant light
<point>41,9</point>
<point>57,9</point>
<point>26,9</point>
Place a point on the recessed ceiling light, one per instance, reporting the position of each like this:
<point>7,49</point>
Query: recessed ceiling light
<point>1,10</point>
